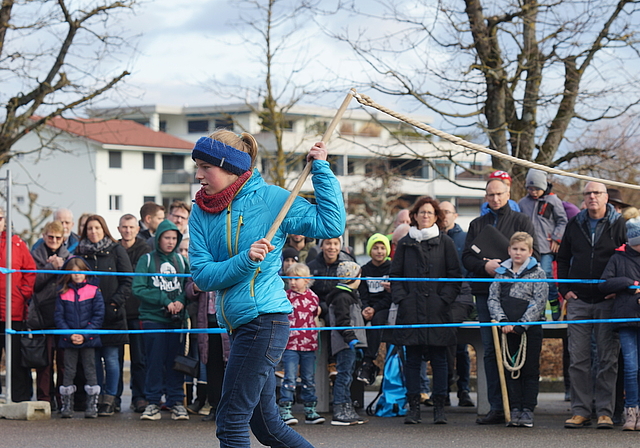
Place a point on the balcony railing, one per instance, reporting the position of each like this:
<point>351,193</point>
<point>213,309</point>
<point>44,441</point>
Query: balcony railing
<point>177,177</point>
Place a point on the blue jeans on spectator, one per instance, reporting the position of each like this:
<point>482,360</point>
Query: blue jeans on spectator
<point>161,351</point>
<point>307,362</point>
<point>630,345</point>
<point>109,377</point>
<point>546,263</point>
<point>345,364</point>
<point>249,387</point>
<point>490,366</point>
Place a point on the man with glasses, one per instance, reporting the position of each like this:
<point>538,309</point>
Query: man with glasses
<point>590,239</point>
<point>179,215</point>
<point>507,222</point>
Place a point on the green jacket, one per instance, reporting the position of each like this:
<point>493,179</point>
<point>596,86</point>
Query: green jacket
<point>156,292</point>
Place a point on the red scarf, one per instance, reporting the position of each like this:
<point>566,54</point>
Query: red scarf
<point>217,202</point>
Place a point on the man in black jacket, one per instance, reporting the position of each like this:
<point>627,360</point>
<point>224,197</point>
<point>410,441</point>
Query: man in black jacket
<point>507,222</point>
<point>590,239</point>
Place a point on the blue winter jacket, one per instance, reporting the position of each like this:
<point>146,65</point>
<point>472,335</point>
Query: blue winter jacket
<point>219,243</point>
<point>80,307</point>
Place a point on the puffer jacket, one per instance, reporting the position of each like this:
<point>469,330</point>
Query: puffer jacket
<point>518,301</point>
<point>621,272</point>
<point>115,289</point>
<point>220,243</point>
<point>421,302</point>
<point>80,307</point>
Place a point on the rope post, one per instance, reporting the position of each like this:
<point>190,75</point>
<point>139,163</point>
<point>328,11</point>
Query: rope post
<point>8,337</point>
<point>307,169</point>
<point>503,380</point>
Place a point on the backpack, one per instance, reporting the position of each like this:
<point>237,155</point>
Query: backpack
<point>392,398</point>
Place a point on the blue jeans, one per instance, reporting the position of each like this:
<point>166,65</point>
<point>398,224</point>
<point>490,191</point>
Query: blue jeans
<point>109,378</point>
<point>161,351</point>
<point>546,263</point>
<point>307,362</point>
<point>345,364</point>
<point>630,345</point>
<point>249,387</point>
<point>490,365</point>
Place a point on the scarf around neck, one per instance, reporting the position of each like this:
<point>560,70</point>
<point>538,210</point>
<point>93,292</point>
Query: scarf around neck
<point>89,248</point>
<point>217,202</point>
<point>424,234</point>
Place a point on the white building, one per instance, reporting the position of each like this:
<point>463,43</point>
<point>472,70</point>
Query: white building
<point>108,167</point>
<point>427,168</point>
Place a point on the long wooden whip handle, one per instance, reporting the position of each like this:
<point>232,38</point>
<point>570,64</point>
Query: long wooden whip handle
<point>307,169</point>
<point>503,380</point>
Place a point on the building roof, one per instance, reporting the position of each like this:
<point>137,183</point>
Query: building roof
<point>119,132</point>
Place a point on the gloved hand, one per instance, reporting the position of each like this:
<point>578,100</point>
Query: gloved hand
<point>352,344</point>
<point>359,354</point>
<point>554,305</point>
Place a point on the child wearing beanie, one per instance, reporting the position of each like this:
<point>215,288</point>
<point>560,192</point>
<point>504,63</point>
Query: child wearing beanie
<point>622,275</point>
<point>375,295</point>
<point>345,310</point>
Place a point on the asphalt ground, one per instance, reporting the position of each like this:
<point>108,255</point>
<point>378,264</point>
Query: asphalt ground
<point>125,429</point>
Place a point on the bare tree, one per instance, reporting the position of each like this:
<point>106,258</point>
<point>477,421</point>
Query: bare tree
<point>528,73</point>
<point>36,215</point>
<point>55,56</point>
<point>273,36</point>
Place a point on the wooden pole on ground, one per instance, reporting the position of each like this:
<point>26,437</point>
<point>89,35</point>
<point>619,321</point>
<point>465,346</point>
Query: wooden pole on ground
<point>503,380</point>
<point>307,169</point>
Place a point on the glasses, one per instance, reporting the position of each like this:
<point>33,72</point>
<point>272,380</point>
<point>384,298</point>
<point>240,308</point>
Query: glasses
<point>53,237</point>
<point>426,214</point>
<point>448,212</point>
<point>597,194</point>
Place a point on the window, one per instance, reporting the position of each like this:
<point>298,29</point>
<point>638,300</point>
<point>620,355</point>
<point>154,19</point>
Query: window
<point>163,126</point>
<point>198,126</point>
<point>224,123</point>
<point>148,160</point>
<point>468,206</point>
<point>172,162</point>
<point>149,199</point>
<point>115,202</point>
<point>442,168</point>
<point>115,159</point>
<point>407,167</point>
<point>20,200</point>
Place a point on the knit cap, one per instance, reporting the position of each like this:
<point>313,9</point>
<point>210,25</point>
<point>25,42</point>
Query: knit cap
<point>219,154</point>
<point>378,238</point>
<point>536,179</point>
<point>348,269</point>
<point>633,231</point>
<point>290,252</point>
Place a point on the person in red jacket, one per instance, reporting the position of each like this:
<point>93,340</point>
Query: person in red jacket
<point>21,290</point>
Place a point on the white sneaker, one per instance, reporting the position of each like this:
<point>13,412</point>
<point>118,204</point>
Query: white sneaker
<point>178,412</point>
<point>151,412</point>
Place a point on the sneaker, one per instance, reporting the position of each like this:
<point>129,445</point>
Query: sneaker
<point>526,418</point>
<point>341,416</point>
<point>178,412</point>
<point>151,412</point>
<point>514,421</point>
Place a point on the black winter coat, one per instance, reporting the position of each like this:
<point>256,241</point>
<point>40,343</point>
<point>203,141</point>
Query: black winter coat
<point>319,268</point>
<point>621,272</point>
<point>371,291</point>
<point>115,289</point>
<point>580,257</point>
<point>45,290</point>
<point>424,302</point>
<point>139,248</point>
<point>507,222</point>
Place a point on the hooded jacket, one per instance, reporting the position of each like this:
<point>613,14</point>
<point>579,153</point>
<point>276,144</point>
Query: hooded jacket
<point>621,272</point>
<point>585,257</point>
<point>507,222</point>
<point>220,243</point>
<point>548,217</point>
<point>520,301</point>
<point>155,293</point>
<point>81,307</point>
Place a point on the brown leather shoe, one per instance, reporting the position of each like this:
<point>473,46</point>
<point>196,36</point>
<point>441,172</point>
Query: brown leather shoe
<point>605,422</point>
<point>578,421</point>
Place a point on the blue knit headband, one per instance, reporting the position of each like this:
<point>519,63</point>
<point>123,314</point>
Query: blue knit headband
<point>218,154</point>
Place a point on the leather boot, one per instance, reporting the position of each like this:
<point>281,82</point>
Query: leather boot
<point>413,416</point>
<point>105,409</point>
<point>438,410</point>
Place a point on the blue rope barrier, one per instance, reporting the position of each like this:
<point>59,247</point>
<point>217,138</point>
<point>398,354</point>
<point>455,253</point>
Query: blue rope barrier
<point>472,324</point>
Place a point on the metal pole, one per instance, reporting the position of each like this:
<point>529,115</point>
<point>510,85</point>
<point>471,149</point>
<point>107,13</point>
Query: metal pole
<point>8,337</point>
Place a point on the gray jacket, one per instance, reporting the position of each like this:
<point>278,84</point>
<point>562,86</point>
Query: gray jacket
<point>549,219</point>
